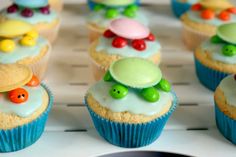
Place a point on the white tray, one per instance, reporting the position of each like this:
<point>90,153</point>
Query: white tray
<point>69,132</point>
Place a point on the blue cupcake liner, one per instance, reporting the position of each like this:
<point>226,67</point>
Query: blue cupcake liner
<point>210,78</point>
<point>130,135</point>
<point>179,8</point>
<point>23,136</point>
<point>226,125</point>
<point>91,4</point>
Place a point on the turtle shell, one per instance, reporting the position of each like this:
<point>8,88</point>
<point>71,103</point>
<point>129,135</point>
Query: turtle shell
<point>135,72</point>
<point>216,4</point>
<point>135,30</point>
<point>227,32</point>
<point>32,3</point>
<point>115,2</point>
<point>14,28</point>
<point>14,76</point>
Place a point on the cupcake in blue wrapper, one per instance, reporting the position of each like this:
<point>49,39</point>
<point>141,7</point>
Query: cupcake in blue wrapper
<point>24,107</point>
<point>216,58</point>
<point>179,7</point>
<point>132,103</point>
<point>225,107</point>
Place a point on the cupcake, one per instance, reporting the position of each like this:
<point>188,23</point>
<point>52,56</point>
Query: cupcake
<point>37,13</point>
<point>24,107</point>
<point>92,3</point>
<point>56,5</point>
<point>225,107</point>
<point>120,41</point>
<point>20,43</point>
<point>216,57</point>
<point>132,103</point>
<point>106,11</point>
<point>179,7</point>
<point>201,22</point>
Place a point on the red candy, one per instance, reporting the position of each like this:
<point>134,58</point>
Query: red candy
<point>27,12</point>
<point>232,10</point>
<point>139,45</point>
<point>196,7</point>
<point>18,95</point>
<point>12,9</point>
<point>224,16</point>
<point>207,14</point>
<point>109,34</point>
<point>151,37</point>
<point>119,42</point>
<point>33,82</point>
<point>45,10</point>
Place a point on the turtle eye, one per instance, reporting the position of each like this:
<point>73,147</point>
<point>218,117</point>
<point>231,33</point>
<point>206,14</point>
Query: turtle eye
<point>18,95</point>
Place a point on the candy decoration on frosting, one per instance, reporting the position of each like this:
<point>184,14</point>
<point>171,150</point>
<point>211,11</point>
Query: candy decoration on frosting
<point>232,10</point>
<point>226,34</point>
<point>13,8</point>
<point>224,16</point>
<point>27,12</point>
<point>138,74</point>
<point>196,7</point>
<point>34,34</point>
<point>7,45</point>
<point>136,33</point>
<point>28,41</point>
<point>45,10</point>
<point>207,14</point>
<point>18,95</point>
<point>111,13</point>
<point>34,82</point>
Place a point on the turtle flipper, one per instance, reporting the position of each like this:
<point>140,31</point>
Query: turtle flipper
<point>107,77</point>
<point>216,39</point>
<point>164,85</point>
<point>150,94</point>
<point>118,91</point>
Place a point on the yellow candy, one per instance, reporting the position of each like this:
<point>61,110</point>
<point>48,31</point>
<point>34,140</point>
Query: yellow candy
<point>7,45</point>
<point>27,41</point>
<point>34,34</point>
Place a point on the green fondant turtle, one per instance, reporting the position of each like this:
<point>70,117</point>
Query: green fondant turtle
<point>139,74</point>
<point>226,34</point>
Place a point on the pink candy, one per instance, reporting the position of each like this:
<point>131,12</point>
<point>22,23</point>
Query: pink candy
<point>129,29</point>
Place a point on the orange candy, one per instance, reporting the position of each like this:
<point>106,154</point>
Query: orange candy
<point>18,95</point>
<point>207,14</point>
<point>33,82</point>
<point>232,10</point>
<point>196,7</point>
<point>224,16</point>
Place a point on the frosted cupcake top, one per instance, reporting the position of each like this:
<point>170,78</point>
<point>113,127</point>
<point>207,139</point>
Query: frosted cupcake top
<point>134,85</point>
<point>33,11</point>
<point>18,41</point>
<point>135,40</point>
<point>212,12</point>
<point>102,15</point>
<point>228,87</point>
<point>222,46</point>
<point>20,92</point>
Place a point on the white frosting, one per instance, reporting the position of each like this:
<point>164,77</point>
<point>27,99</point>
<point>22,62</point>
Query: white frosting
<point>132,103</point>
<point>228,86</point>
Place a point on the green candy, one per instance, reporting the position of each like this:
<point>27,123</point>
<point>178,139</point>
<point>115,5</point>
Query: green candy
<point>150,94</point>
<point>229,50</point>
<point>111,13</point>
<point>133,7</point>
<point>164,85</point>
<point>107,77</point>
<point>118,91</point>
<point>216,39</point>
<point>129,13</point>
<point>98,7</point>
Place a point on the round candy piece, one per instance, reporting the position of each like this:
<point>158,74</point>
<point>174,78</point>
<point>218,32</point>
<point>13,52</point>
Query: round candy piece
<point>129,29</point>
<point>139,44</point>
<point>32,3</point>
<point>207,14</point>
<point>135,72</point>
<point>34,82</point>
<point>27,12</point>
<point>13,76</point>
<point>150,94</point>
<point>12,9</point>
<point>227,32</point>
<point>229,50</point>
<point>215,39</point>
<point>224,16</point>
<point>18,95</point>
<point>119,42</point>
<point>111,13</point>
<point>7,45</point>
<point>115,2</point>
<point>118,91</point>
<point>28,41</point>
<point>164,85</point>
<point>14,28</point>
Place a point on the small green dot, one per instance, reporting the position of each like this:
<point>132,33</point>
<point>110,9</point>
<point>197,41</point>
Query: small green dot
<point>229,50</point>
<point>150,94</point>
<point>164,85</point>
<point>111,13</point>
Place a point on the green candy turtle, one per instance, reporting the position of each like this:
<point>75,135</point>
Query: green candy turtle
<point>226,34</point>
<point>139,74</point>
